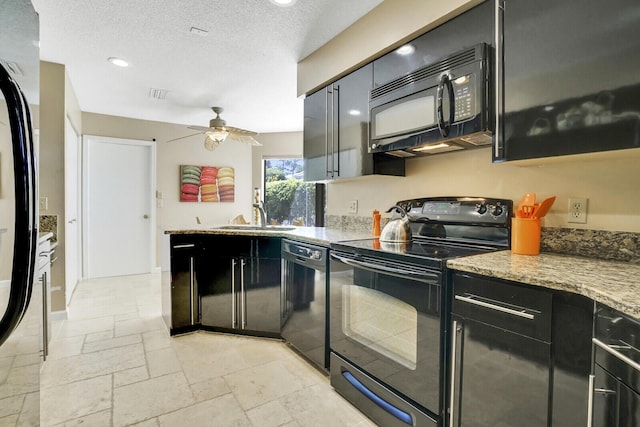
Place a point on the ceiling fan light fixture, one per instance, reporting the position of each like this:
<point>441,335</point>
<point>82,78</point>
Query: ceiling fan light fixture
<point>217,135</point>
<point>119,62</point>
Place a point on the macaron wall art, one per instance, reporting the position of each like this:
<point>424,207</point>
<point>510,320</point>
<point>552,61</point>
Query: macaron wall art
<point>206,184</point>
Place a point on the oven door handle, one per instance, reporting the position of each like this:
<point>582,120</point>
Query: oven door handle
<point>380,268</point>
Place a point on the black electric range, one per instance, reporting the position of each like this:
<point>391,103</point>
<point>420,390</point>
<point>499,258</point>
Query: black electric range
<point>388,307</point>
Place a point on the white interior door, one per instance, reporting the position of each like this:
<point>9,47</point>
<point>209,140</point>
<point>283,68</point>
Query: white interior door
<point>119,178</point>
<point>72,244</point>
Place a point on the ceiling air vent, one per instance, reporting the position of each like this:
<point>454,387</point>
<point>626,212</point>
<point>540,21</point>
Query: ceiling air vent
<point>12,67</point>
<point>158,93</point>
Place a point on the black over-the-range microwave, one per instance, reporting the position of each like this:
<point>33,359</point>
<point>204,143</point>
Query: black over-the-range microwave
<point>440,107</point>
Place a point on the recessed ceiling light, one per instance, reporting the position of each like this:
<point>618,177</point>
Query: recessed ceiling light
<point>354,112</point>
<point>283,3</point>
<point>118,61</point>
<point>407,49</point>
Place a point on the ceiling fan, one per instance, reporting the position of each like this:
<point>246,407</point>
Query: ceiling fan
<point>218,131</point>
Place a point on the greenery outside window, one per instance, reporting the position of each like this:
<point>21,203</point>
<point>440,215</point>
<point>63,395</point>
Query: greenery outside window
<point>288,199</point>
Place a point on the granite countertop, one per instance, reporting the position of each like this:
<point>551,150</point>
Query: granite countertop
<point>615,284</point>
<point>317,235</point>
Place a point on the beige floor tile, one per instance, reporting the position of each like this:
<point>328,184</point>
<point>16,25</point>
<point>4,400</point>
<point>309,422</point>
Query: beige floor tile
<point>150,379</point>
<point>78,399</point>
<point>320,406</point>
<point>74,328</point>
<point>138,326</point>
<point>162,362</point>
<point>99,419</point>
<point>156,340</point>
<point>99,336</point>
<point>261,384</point>
<point>30,413</point>
<point>147,399</point>
<point>111,343</point>
<point>130,376</point>
<point>222,411</point>
<point>271,414</point>
<point>10,405</point>
<point>90,365</point>
<point>209,389</point>
<point>65,347</point>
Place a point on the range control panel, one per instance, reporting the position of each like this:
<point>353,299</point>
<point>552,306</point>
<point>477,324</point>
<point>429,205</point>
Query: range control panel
<point>463,210</point>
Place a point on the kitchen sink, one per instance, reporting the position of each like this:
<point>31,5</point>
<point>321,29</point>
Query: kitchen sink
<point>255,227</point>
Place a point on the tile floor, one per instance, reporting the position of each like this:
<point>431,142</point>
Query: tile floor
<point>112,363</point>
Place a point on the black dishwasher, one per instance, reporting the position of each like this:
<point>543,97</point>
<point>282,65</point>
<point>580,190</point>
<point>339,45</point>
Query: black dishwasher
<point>304,313</point>
<point>615,383</point>
<point>500,354</point>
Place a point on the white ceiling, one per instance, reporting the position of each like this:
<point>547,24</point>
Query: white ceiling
<point>245,64</point>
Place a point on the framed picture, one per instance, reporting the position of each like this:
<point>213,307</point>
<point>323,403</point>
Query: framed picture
<point>209,184</point>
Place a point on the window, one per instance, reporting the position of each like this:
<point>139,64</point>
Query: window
<point>287,198</point>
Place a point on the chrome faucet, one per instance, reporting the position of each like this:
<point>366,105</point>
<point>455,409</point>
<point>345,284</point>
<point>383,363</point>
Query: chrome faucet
<point>263,214</point>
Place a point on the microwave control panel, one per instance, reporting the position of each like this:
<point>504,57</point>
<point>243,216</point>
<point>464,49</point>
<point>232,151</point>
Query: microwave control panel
<point>463,88</point>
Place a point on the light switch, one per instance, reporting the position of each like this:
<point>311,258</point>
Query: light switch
<point>44,203</point>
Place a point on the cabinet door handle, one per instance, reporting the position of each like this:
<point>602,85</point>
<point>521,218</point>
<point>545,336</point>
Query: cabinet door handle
<point>472,299</point>
<point>616,354</point>
<point>336,130</point>
<point>45,318</point>
<point>452,385</point>
<point>191,289</point>
<point>243,295</point>
<point>186,245</point>
<point>498,151</point>
<point>592,379</point>
<point>233,293</point>
<point>327,171</point>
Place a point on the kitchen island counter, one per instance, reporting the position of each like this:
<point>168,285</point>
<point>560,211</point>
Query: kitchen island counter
<point>615,284</point>
<point>317,235</point>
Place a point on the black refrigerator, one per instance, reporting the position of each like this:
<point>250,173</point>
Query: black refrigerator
<point>20,294</point>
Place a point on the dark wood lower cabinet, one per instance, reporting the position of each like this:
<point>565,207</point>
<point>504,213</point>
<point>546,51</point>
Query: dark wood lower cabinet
<point>519,355</point>
<point>239,285</point>
<point>501,378</point>
<point>225,283</point>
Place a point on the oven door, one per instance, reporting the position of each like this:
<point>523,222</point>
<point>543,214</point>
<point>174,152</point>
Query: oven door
<point>385,319</point>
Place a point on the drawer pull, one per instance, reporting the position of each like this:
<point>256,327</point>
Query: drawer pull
<point>616,353</point>
<point>472,300</point>
<point>186,245</point>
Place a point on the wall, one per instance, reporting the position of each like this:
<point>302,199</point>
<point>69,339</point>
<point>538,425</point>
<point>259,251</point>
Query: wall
<point>609,180</point>
<point>386,27</point>
<point>170,155</point>
<point>57,101</point>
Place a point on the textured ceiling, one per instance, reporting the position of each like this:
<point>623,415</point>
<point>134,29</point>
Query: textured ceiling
<point>246,63</point>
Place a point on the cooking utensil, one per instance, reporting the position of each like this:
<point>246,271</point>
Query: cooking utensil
<point>542,208</point>
<point>397,230</point>
<point>528,199</point>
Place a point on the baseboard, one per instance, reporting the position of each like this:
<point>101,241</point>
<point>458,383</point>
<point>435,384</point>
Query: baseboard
<point>4,283</point>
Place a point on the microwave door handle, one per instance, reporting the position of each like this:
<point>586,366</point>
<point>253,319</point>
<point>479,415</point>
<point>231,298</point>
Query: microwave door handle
<point>442,125</point>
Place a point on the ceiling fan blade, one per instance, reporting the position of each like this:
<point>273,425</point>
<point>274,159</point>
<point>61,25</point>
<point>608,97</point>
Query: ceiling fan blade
<point>183,137</point>
<point>244,139</point>
<point>240,131</point>
<point>200,128</point>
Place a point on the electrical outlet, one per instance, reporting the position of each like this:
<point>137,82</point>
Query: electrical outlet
<point>44,203</point>
<point>577,210</point>
<point>353,206</point>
